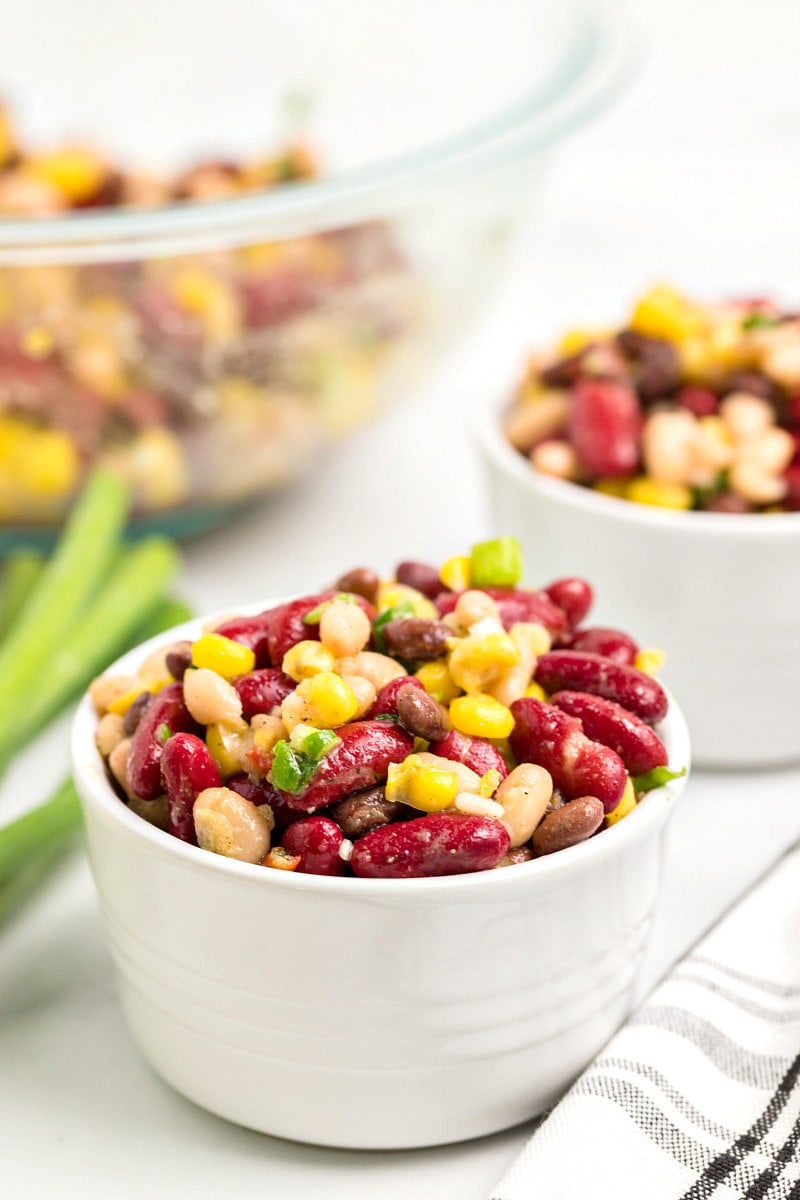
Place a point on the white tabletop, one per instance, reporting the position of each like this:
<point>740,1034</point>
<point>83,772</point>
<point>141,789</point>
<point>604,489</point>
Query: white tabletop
<point>695,178</point>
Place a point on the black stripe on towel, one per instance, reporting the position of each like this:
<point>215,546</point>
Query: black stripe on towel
<point>773,986</point>
<point>724,1164</point>
<point>730,1057</point>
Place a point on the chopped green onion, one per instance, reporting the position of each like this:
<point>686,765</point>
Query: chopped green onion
<point>291,770</point>
<point>319,743</point>
<point>315,616</point>
<point>404,609</point>
<point>497,563</point>
<point>759,320</point>
<point>163,733</point>
<point>655,778</point>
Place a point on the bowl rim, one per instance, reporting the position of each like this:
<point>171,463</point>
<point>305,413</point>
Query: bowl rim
<point>491,443</point>
<point>97,794</point>
<point>595,63</point>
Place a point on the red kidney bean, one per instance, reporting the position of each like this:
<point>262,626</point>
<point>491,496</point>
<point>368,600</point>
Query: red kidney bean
<point>610,643</point>
<point>515,606</point>
<point>729,502</point>
<point>386,700</point>
<point>639,747</point>
<point>252,632</point>
<point>438,844</point>
<point>416,639</point>
<point>604,424</point>
<point>568,825</point>
<point>260,691</point>
<point>572,595</point>
<point>360,760</point>
<point>421,576</point>
<point>792,477</point>
<point>365,811</point>
<point>581,671</point>
<point>754,383</point>
<point>187,767</point>
<point>135,713</point>
<point>288,628</point>
<point>361,581</point>
<point>317,840</point>
<point>480,756</point>
<point>179,659</point>
<point>700,401</point>
<point>166,715</point>
<point>545,735</point>
<point>421,715</point>
<point>261,791</point>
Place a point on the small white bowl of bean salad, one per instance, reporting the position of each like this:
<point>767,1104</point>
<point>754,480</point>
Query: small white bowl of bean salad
<point>664,456</point>
<point>378,865</point>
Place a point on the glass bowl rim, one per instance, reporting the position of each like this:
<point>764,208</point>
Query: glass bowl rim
<point>593,67</point>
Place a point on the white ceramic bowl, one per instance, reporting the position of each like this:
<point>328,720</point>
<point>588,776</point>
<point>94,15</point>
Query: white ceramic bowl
<point>370,1013</point>
<point>717,591</point>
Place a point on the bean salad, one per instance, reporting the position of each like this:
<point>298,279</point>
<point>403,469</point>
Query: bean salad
<point>688,406</point>
<point>445,721</point>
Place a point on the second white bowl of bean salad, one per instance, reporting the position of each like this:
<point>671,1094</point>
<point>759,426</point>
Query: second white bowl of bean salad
<point>378,865</point>
<point>665,457</point>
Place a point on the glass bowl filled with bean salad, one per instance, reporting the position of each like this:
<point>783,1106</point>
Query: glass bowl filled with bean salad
<point>378,866</point>
<point>441,722</point>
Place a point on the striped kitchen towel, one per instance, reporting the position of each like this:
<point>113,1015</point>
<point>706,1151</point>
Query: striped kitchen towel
<point>697,1097</point>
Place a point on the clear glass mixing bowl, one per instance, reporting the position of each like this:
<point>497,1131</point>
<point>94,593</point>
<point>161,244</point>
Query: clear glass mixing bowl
<point>208,351</point>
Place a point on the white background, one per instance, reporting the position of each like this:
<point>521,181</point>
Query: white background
<point>694,177</point>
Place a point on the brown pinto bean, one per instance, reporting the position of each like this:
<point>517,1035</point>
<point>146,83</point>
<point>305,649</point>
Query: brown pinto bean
<point>639,747</point>
<point>361,581</point>
<point>136,711</point>
<point>515,856</point>
<point>545,735</point>
<point>179,659</point>
<point>365,811</point>
<point>572,823</point>
<point>657,368</point>
<point>422,715</point>
<point>386,699</point>
<point>581,671</point>
<point>421,576</point>
<point>438,844</point>
<point>416,638</point>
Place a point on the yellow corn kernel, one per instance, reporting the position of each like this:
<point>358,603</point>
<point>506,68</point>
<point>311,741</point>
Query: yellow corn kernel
<point>664,313</point>
<point>54,468</point>
<point>391,594</point>
<point>644,490</point>
<point>650,661</point>
<point>208,298</point>
<point>75,171</point>
<point>225,745</point>
<point>455,573</point>
<point>480,715</point>
<point>612,486</point>
<point>223,655</point>
<point>421,784</point>
<point>536,692</point>
<point>330,702</point>
<point>308,658</point>
<point>530,636</point>
<point>626,805</point>
<point>437,681</point>
<point>476,660</point>
<point>37,342</point>
<point>575,339</point>
<point>121,704</point>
